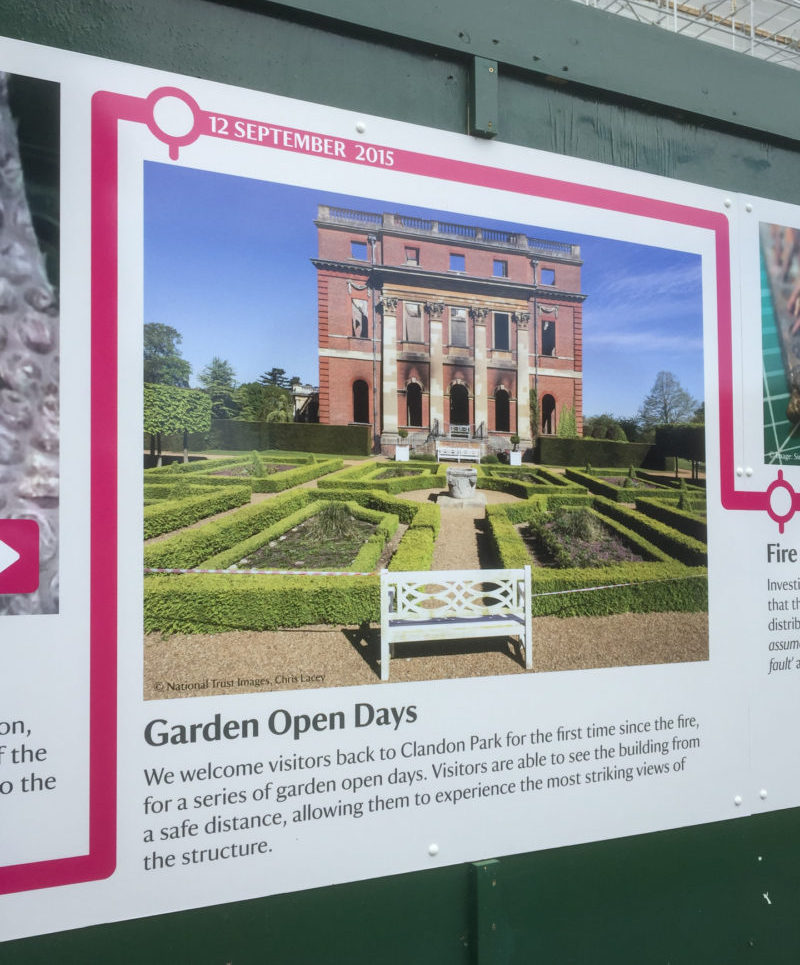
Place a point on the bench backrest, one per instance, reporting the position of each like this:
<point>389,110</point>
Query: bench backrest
<point>457,451</point>
<point>443,594</point>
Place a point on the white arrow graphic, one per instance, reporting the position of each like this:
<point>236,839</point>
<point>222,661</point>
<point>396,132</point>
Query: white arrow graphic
<point>8,556</point>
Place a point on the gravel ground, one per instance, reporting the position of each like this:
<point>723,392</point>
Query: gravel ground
<point>185,665</point>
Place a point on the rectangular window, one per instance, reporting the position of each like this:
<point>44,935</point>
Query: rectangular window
<point>548,337</point>
<point>502,338</point>
<point>500,268</point>
<point>358,249</point>
<point>413,321</point>
<point>457,262</point>
<point>458,327</point>
<point>547,276</point>
<point>360,327</point>
<point>412,256</point>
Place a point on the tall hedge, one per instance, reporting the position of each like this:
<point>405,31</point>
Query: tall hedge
<point>553,451</point>
<point>683,441</point>
<point>292,436</point>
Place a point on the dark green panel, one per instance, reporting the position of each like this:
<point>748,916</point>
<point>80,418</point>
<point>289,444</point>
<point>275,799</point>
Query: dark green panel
<point>235,46</point>
<point>591,47</point>
<point>574,120</point>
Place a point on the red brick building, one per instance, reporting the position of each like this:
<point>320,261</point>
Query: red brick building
<point>443,328</point>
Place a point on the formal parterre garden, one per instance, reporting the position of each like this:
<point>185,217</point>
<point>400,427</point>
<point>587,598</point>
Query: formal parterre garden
<point>598,541</point>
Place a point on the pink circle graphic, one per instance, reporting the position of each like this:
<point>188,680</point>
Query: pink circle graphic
<point>780,518</point>
<point>174,142</point>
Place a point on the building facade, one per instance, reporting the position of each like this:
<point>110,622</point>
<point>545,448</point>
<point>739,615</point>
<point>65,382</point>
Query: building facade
<point>445,329</point>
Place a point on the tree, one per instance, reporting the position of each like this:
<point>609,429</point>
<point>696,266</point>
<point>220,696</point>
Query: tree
<point>168,408</point>
<point>279,377</point>
<point>667,404</point>
<point>218,372</point>
<point>275,377</point>
<point>604,426</point>
<point>631,427</point>
<point>533,403</point>
<point>264,403</point>
<point>219,381</point>
<point>567,424</point>
<point>163,363</point>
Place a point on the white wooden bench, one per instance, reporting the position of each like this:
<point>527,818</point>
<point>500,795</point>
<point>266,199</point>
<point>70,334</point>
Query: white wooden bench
<point>458,453</point>
<point>454,605</point>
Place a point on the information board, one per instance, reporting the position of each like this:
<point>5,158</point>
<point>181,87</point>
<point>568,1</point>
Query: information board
<point>217,721</point>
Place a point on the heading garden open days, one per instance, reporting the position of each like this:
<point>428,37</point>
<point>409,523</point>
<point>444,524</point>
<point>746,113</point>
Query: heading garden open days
<point>160,733</point>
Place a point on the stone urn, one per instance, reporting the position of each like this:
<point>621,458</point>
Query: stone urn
<point>462,481</point>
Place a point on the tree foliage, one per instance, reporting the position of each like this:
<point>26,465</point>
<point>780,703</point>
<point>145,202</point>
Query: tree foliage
<point>163,362</point>
<point>218,380</point>
<point>169,408</point>
<point>533,402</point>
<point>604,426</point>
<point>218,372</point>
<point>275,376</point>
<point>567,424</point>
<point>667,404</point>
<point>260,402</point>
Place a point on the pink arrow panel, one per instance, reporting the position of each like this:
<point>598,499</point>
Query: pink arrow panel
<point>19,556</point>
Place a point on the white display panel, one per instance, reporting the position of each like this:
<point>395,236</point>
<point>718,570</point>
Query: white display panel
<point>221,797</point>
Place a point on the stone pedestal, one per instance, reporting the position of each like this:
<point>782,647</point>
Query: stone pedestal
<point>461,485</point>
<point>462,481</point>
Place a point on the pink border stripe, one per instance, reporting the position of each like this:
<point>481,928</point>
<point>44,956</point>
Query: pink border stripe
<point>101,858</point>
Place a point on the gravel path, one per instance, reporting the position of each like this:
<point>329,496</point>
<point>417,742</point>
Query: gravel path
<point>463,543</point>
<point>186,665</point>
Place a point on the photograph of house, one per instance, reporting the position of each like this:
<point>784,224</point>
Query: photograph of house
<point>445,329</point>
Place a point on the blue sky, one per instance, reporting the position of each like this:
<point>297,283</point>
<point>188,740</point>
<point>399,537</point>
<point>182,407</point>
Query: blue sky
<point>227,263</point>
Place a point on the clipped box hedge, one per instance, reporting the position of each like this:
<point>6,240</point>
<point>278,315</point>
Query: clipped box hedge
<point>194,603</point>
<point>660,586</point>
<point>621,494</point>
<point>275,482</point>
<point>367,557</point>
<point>189,549</point>
<point>199,465</point>
<point>212,603</point>
<point>509,481</point>
<point>167,515</point>
<point>363,477</point>
<point>675,544</point>
<point>415,551</point>
<point>154,492</point>
<point>676,518</point>
<point>406,512</point>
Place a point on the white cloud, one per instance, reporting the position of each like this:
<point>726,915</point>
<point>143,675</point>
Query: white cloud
<point>643,340</point>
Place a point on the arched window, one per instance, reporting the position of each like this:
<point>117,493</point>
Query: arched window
<point>413,404</point>
<point>459,406</point>
<point>548,415</point>
<point>502,417</point>
<point>360,401</point>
